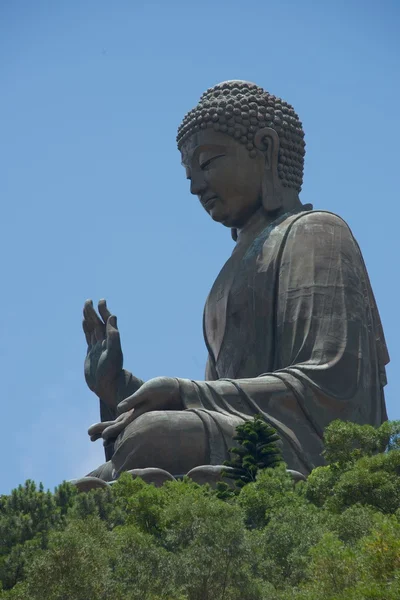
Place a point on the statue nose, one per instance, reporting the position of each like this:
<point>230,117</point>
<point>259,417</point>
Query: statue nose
<point>197,184</point>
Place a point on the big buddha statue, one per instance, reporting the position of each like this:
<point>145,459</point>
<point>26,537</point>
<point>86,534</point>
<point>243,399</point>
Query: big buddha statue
<point>291,325</point>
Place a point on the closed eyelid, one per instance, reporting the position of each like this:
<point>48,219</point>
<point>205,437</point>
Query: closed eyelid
<point>206,162</point>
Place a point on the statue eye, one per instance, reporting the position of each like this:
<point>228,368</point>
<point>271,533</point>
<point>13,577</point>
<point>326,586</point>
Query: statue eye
<point>204,165</point>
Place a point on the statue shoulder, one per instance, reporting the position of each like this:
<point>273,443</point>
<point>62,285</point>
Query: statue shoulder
<point>300,232</point>
<point>319,221</point>
<point>319,230</point>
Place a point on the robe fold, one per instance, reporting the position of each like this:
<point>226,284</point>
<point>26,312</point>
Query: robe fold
<point>293,333</point>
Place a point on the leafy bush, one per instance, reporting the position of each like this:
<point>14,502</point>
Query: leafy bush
<point>334,537</point>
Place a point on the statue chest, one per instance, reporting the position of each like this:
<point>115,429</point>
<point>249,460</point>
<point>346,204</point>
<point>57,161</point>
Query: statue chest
<point>238,317</point>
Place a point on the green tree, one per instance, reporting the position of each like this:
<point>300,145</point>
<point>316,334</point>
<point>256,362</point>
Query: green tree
<point>334,537</point>
<point>272,489</point>
<point>141,569</point>
<point>284,545</point>
<point>76,565</point>
<point>346,442</point>
<point>210,545</point>
<point>28,514</point>
<point>256,449</point>
<point>371,480</point>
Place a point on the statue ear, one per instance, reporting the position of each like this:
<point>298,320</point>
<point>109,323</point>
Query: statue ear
<point>267,140</point>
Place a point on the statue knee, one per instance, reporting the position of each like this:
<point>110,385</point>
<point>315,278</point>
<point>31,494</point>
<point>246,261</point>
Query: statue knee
<point>152,419</point>
<point>170,440</point>
<point>142,443</point>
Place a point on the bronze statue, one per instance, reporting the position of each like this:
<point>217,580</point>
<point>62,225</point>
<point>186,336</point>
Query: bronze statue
<point>291,324</point>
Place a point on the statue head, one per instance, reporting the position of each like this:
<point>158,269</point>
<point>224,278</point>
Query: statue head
<point>242,149</point>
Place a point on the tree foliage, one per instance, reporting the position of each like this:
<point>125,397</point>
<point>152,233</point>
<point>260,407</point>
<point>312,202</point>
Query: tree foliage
<point>334,537</point>
<point>256,449</point>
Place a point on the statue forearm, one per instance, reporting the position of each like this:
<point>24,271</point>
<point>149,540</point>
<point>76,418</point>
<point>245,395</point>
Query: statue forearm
<point>242,396</point>
<point>127,385</point>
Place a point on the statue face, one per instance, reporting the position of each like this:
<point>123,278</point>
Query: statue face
<point>223,176</point>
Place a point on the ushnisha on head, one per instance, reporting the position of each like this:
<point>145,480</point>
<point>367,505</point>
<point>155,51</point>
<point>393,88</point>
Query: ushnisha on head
<point>243,110</point>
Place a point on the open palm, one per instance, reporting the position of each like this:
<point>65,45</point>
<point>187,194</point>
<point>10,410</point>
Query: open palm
<point>104,358</point>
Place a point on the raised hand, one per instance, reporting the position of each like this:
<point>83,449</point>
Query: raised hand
<point>104,358</point>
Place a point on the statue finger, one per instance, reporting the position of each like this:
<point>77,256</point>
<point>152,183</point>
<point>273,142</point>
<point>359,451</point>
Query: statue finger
<point>87,332</point>
<point>98,428</point>
<point>135,401</point>
<point>130,402</point>
<point>87,320</point>
<point>88,311</point>
<point>93,320</point>
<point>112,334</point>
<point>103,310</point>
<point>113,430</point>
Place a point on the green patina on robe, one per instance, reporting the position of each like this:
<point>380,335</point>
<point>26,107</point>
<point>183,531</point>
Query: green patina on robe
<point>293,333</point>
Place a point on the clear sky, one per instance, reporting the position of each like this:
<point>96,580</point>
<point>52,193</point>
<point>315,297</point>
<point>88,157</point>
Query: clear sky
<point>95,202</point>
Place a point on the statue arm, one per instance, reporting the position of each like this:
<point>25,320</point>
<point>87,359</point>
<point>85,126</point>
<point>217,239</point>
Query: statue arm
<point>325,361</point>
<point>127,385</point>
<point>104,371</point>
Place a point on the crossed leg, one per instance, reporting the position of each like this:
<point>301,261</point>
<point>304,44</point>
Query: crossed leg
<point>175,441</point>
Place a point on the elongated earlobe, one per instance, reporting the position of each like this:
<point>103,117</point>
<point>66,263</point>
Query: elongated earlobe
<point>271,194</point>
<point>267,140</point>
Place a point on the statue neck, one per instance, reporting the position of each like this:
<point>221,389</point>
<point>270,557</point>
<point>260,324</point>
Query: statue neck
<point>257,222</point>
<point>261,219</point>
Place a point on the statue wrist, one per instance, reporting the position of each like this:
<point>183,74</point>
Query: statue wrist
<point>127,384</point>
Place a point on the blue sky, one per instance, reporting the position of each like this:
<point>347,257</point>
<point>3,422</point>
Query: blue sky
<point>95,202</point>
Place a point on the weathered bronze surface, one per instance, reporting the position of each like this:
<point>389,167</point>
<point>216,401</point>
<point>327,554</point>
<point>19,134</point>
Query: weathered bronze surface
<point>291,324</point>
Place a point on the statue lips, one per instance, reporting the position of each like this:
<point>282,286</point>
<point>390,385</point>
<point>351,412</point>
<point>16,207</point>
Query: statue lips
<point>208,202</point>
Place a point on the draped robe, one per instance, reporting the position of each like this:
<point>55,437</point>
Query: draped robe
<point>293,333</point>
